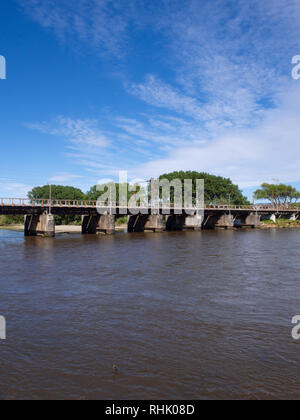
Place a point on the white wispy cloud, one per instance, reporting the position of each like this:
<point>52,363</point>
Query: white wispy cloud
<point>220,112</point>
<point>14,189</point>
<point>232,91</point>
<point>232,60</point>
<point>226,103</point>
<point>248,156</point>
<point>63,177</point>
<point>78,133</point>
<point>99,24</point>
<point>162,95</point>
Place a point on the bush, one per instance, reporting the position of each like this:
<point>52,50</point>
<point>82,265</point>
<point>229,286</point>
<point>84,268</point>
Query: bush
<point>11,220</point>
<point>121,221</point>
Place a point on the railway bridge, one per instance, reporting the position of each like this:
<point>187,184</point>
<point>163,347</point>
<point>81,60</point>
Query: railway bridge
<point>39,216</point>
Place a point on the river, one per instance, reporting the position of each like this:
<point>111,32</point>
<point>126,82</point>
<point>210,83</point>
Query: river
<point>183,315</point>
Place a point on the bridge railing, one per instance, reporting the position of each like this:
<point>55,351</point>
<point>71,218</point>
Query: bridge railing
<point>23,202</point>
<point>63,203</point>
<point>15,202</point>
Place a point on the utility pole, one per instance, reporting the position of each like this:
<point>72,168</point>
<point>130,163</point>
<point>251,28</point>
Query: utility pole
<point>254,205</point>
<point>50,198</point>
<point>229,195</point>
<point>110,199</point>
<point>151,192</point>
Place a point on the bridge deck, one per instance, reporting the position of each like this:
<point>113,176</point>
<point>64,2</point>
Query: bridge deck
<point>22,206</point>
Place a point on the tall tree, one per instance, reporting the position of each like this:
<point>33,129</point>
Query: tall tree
<point>59,192</point>
<point>217,190</point>
<point>277,194</point>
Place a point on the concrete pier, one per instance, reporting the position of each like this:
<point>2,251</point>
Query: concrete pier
<point>252,220</point>
<point>98,224</point>
<point>39,225</point>
<point>142,223</point>
<point>155,223</point>
<point>107,224</point>
<point>193,222</point>
<point>226,221</point>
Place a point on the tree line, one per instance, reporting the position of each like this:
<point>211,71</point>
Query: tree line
<point>218,190</point>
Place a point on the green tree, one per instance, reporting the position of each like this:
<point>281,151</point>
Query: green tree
<point>277,194</point>
<point>59,192</point>
<point>217,189</point>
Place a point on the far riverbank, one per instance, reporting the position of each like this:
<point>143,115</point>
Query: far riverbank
<point>59,229</point>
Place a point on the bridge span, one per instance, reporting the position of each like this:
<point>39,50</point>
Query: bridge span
<point>39,216</point>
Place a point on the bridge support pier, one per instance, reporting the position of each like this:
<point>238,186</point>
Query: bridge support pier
<point>226,221</point>
<point>193,222</point>
<point>294,217</point>
<point>144,222</point>
<point>252,220</point>
<point>107,224</point>
<point>155,223</point>
<point>98,224</point>
<point>39,225</point>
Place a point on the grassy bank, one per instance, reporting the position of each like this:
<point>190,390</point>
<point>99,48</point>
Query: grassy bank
<point>280,224</point>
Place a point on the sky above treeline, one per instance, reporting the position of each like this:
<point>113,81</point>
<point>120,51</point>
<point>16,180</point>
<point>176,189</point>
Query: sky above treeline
<point>95,87</point>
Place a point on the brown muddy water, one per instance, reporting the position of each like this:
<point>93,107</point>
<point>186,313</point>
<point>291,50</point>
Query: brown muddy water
<point>183,315</point>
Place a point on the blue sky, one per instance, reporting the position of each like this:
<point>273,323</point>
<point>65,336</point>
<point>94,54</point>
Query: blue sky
<point>98,86</point>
